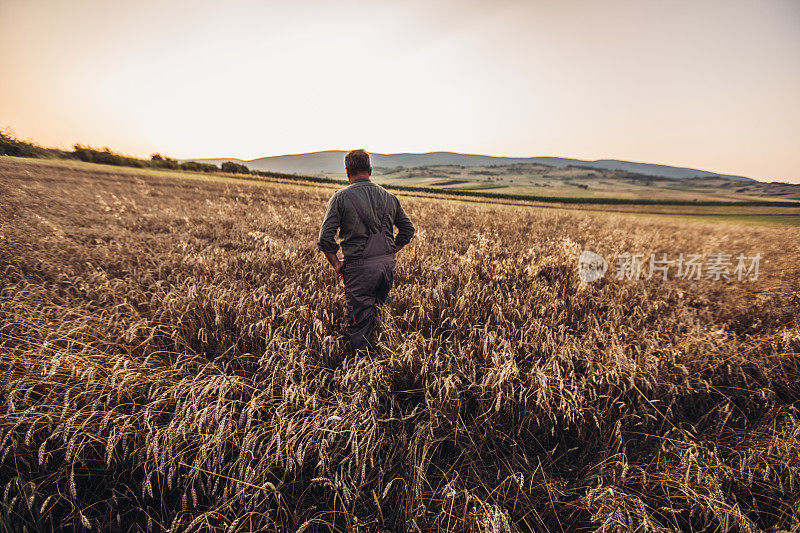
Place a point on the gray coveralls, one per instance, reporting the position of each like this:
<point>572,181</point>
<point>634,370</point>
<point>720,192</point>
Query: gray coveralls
<point>364,214</point>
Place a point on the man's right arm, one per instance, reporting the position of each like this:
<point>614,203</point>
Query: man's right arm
<point>330,225</point>
<point>404,226</point>
<point>335,262</point>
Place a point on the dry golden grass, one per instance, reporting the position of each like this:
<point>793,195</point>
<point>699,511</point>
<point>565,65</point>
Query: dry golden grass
<point>172,357</point>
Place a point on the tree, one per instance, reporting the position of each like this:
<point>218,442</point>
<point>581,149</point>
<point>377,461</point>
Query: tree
<point>234,168</point>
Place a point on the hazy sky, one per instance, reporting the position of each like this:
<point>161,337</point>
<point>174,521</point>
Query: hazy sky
<point>713,85</point>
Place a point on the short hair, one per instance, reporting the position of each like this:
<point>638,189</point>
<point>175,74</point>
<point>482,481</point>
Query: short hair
<point>356,161</point>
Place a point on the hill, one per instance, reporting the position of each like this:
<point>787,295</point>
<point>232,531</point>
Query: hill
<point>331,161</point>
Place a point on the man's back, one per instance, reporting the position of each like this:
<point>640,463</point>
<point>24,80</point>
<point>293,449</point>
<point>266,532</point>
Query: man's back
<point>342,215</point>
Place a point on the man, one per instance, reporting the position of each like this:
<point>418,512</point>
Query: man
<point>364,214</point>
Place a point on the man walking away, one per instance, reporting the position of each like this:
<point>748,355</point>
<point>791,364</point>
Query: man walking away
<point>365,214</point>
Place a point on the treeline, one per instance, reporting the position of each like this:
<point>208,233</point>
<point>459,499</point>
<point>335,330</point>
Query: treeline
<point>11,145</point>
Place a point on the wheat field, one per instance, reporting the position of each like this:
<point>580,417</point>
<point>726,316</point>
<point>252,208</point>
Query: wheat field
<point>172,357</point>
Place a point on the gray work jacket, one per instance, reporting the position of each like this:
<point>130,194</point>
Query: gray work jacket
<point>342,216</point>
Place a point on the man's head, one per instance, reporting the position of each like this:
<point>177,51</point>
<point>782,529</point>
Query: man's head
<point>357,165</point>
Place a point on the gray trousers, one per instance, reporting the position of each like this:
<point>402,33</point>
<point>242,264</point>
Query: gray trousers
<point>366,285</point>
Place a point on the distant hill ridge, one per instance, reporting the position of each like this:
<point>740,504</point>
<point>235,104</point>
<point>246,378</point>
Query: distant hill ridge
<point>332,161</point>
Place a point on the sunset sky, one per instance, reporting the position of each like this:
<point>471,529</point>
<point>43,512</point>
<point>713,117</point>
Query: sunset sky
<point>713,85</point>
